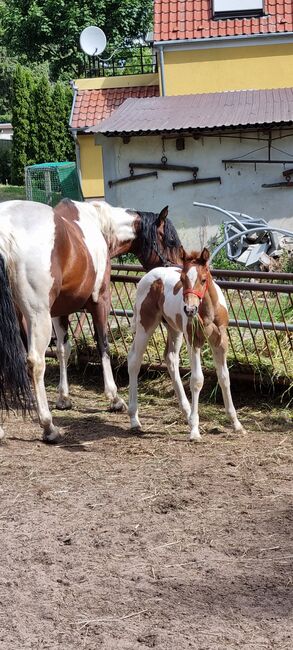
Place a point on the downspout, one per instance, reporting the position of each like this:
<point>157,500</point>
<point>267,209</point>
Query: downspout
<point>162,70</point>
<point>74,133</point>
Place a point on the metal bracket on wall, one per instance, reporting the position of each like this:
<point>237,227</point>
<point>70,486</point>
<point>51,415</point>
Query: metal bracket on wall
<point>287,183</point>
<point>132,177</point>
<point>280,184</point>
<point>195,181</point>
<point>163,166</point>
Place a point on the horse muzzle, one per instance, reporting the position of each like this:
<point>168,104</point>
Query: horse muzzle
<point>190,311</point>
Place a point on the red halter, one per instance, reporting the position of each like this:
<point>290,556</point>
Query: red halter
<point>195,292</point>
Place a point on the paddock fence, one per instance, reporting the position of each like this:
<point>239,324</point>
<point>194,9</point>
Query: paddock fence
<point>260,331</point>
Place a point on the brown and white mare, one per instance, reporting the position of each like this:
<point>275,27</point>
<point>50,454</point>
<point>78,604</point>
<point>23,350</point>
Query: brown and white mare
<point>53,262</point>
<point>190,304</point>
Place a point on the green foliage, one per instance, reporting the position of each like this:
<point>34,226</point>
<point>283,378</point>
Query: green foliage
<point>20,123</point>
<point>5,164</point>
<point>7,66</point>
<point>11,192</point>
<point>49,31</point>
<point>43,110</point>
<point>221,260</point>
<point>286,261</point>
<point>61,140</point>
<point>32,148</point>
<point>40,120</point>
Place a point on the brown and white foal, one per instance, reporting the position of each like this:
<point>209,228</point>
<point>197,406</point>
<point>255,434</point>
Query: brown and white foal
<point>189,303</point>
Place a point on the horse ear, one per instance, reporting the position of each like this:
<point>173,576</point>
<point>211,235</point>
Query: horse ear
<point>204,256</point>
<point>163,215</point>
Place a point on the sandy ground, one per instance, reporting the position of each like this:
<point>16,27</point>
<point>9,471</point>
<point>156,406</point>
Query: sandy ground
<point>111,540</point>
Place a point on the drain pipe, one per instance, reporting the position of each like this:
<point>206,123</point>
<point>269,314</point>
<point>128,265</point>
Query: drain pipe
<point>162,70</point>
<point>74,132</point>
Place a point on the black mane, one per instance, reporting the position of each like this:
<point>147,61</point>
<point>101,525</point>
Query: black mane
<point>148,234</point>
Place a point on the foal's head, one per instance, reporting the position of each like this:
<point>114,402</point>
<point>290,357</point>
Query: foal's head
<point>195,277</point>
<point>157,242</point>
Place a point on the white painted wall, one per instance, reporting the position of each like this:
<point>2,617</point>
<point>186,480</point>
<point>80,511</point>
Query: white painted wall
<point>240,190</point>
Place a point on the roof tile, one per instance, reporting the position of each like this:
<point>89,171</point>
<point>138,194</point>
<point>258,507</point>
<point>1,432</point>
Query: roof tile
<point>172,20</point>
<point>92,106</point>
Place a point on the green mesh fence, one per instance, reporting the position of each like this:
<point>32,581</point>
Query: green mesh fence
<point>51,182</point>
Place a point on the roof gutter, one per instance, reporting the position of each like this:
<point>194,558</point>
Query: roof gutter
<point>224,39</point>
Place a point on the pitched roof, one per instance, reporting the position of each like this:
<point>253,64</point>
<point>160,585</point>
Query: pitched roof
<point>188,113</point>
<point>92,106</point>
<point>193,19</point>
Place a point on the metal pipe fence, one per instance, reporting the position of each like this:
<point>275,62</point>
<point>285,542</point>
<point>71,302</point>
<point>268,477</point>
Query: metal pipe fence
<point>260,327</point>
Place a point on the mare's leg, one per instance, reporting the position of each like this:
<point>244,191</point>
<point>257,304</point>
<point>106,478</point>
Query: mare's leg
<point>63,350</point>
<point>219,355</point>
<point>100,313</point>
<point>134,358</point>
<point>39,336</point>
<point>196,384</point>
<point>173,346</point>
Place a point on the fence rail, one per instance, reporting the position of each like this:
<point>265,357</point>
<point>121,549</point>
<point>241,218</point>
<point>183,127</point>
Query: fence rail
<point>260,327</point>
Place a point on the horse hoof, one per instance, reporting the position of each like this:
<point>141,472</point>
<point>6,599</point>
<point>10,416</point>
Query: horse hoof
<point>238,428</point>
<point>135,425</point>
<point>196,437</point>
<point>51,437</point>
<point>118,405</point>
<point>63,404</point>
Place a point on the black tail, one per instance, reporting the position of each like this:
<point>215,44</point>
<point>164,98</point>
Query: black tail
<point>15,388</point>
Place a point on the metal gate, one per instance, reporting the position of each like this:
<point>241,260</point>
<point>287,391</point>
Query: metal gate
<point>260,327</point>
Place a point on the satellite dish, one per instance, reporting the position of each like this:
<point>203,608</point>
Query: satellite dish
<point>92,41</point>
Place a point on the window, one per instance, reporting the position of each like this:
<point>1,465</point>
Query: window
<point>234,8</point>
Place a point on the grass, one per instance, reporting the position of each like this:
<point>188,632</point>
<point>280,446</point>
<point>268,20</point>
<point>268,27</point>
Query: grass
<point>10,192</point>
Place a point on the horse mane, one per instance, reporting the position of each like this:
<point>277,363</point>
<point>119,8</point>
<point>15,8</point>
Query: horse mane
<point>105,217</point>
<point>148,233</point>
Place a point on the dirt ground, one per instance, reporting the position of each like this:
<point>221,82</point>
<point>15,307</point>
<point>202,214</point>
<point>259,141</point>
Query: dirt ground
<point>118,541</point>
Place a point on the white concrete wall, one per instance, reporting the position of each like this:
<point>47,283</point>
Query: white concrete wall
<point>240,189</point>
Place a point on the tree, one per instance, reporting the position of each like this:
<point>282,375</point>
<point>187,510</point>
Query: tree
<point>7,67</point>
<point>32,148</point>
<point>44,117</point>
<point>62,141</point>
<point>20,123</point>
<point>48,30</point>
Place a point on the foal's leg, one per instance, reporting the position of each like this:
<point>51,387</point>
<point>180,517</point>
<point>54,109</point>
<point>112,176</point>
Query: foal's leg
<point>39,336</point>
<point>173,346</point>
<point>196,384</point>
<point>219,355</point>
<point>134,358</point>
<point>100,313</point>
<point>63,350</point>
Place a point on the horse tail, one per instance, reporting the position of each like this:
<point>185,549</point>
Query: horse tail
<point>15,388</point>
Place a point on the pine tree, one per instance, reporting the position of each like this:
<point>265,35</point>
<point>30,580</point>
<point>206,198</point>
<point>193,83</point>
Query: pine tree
<point>20,107</point>
<point>43,110</point>
<point>32,148</point>
<point>60,117</point>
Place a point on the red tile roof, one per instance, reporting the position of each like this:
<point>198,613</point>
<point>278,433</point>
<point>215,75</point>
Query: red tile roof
<point>92,106</point>
<point>189,113</point>
<point>180,20</point>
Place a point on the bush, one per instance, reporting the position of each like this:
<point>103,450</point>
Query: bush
<point>5,165</point>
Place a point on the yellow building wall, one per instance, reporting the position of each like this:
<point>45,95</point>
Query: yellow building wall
<point>228,68</point>
<point>91,165</point>
<point>91,162</point>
